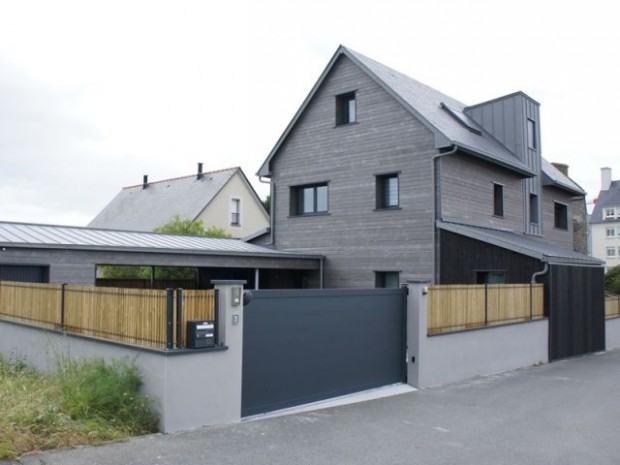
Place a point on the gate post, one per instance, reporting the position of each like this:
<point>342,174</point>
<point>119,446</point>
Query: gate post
<point>417,329</point>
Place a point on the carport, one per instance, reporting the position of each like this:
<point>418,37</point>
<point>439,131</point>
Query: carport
<point>69,254</point>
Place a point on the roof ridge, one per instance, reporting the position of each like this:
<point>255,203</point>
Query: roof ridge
<point>183,177</point>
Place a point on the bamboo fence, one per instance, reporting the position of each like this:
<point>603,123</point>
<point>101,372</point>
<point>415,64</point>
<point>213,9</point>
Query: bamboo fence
<point>133,316</point>
<point>459,307</point>
<point>612,306</point>
<point>39,304</point>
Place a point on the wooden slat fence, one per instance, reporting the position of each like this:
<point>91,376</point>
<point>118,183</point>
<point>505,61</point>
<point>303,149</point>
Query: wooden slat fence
<point>35,303</point>
<point>612,306</point>
<point>134,316</point>
<point>459,307</point>
<point>196,305</point>
<point>145,317</point>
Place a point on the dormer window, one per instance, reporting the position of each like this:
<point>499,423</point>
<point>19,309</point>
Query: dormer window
<point>610,213</point>
<point>346,109</point>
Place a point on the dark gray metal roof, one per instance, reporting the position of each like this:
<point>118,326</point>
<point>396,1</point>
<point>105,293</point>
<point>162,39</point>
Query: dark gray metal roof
<point>441,114</point>
<point>139,209</point>
<point>525,245</point>
<point>608,198</point>
<point>554,177</point>
<point>72,237</point>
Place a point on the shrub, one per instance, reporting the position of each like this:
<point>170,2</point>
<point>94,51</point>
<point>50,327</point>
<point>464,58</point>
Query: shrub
<point>93,390</point>
<point>612,280</point>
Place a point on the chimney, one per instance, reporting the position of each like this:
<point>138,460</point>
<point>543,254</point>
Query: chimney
<point>562,168</point>
<point>145,181</point>
<point>605,178</point>
<point>199,175</point>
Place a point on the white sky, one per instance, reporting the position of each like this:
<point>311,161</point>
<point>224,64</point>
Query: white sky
<point>94,94</point>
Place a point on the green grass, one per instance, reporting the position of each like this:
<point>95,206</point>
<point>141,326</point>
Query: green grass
<point>80,402</point>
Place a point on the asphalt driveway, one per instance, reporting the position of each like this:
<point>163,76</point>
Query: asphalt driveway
<point>567,412</point>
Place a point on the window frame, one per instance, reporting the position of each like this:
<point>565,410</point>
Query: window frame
<point>298,199</point>
<point>560,222</point>
<point>482,276</point>
<point>610,252</point>
<point>346,108</point>
<point>382,278</point>
<point>534,212</point>
<point>532,140</point>
<point>608,215</point>
<point>498,200</point>
<point>235,212</point>
<point>383,193</point>
<point>612,230</point>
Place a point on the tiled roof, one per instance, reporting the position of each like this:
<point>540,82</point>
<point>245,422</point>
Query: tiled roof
<point>143,209</point>
<point>608,198</point>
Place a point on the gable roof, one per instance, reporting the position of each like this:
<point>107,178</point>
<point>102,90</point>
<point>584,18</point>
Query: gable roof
<point>143,209</point>
<point>608,198</point>
<point>522,244</point>
<point>44,236</point>
<point>554,177</point>
<point>444,116</point>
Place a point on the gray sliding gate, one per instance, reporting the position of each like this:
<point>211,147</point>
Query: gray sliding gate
<point>301,346</point>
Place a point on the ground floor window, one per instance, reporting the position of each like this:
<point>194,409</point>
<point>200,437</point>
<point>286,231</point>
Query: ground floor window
<point>490,277</point>
<point>387,279</point>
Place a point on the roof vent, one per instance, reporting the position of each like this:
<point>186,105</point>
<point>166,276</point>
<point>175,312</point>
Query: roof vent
<point>145,181</point>
<point>199,175</point>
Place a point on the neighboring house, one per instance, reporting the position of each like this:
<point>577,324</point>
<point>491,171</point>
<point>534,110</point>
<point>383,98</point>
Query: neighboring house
<point>224,199</point>
<point>605,222</point>
<point>394,181</point>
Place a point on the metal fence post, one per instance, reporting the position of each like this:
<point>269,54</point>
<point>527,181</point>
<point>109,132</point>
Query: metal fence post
<point>180,318</point>
<point>62,306</point>
<point>486,304</point>
<point>169,318</point>
<point>531,301</point>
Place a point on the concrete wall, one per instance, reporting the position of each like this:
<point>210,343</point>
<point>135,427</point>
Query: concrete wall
<point>190,388</point>
<point>457,356</point>
<point>612,333</point>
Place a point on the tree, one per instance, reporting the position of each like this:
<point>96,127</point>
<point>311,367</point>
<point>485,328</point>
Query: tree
<point>187,227</point>
<point>612,280</point>
<point>267,204</point>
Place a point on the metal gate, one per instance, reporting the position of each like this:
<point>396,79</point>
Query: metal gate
<point>301,346</point>
<point>576,311</point>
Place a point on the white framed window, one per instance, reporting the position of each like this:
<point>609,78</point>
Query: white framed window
<point>611,252</point>
<point>610,212</point>
<point>235,212</point>
<point>610,233</point>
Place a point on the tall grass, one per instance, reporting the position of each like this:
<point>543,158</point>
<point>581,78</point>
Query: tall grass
<point>80,402</point>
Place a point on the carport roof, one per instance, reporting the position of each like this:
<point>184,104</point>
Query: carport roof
<point>522,244</point>
<point>73,237</point>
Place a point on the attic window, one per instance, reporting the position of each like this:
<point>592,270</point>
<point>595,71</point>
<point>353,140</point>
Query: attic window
<point>346,109</point>
<point>461,118</point>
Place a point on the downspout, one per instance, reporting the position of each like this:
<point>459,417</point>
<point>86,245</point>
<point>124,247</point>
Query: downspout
<point>542,272</point>
<point>272,203</point>
<point>438,212</point>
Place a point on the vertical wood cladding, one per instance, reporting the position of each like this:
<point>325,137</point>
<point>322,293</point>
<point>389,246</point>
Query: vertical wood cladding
<point>577,311</point>
<point>461,257</point>
<point>357,238</point>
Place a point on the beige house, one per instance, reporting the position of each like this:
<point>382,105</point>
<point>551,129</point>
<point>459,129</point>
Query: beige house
<point>605,222</point>
<point>224,199</point>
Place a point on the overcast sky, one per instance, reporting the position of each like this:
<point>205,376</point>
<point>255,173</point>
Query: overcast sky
<point>94,94</point>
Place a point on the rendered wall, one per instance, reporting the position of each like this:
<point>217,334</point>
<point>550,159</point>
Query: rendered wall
<point>190,388</point>
<point>458,356</point>
<point>612,333</point>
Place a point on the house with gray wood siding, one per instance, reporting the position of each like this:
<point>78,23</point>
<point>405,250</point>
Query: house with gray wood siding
<point>394,181</point>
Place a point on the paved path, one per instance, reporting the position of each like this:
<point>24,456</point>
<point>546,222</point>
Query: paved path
<point>564,413</point>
